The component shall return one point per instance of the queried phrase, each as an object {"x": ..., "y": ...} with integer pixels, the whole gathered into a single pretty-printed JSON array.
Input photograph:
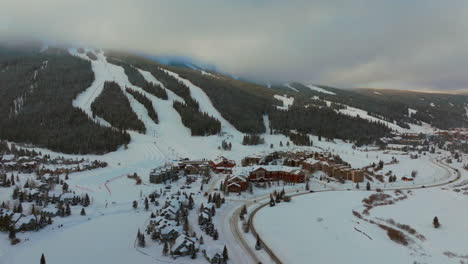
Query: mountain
[{"x": 92, "y": 101}]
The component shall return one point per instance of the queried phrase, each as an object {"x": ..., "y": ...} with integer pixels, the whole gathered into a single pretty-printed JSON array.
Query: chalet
[
  {"x": 276, "y": 173},
  {"x": 162, "y": 174},
  {"x": 250, "y": 160},
  {"x": 214, "y": 254},
  {"x": 26, "y": 223},
  {"x": 49, "y": 211},
  {"x": 222, "y": 165},
  {"x": 169, "y": 213},
  {"x": 236, "y": 183},
  {"x": 184, "y": 245}
]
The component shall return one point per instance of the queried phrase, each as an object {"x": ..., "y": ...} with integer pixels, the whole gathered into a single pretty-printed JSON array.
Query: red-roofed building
[{"x": 222, "y": 165}]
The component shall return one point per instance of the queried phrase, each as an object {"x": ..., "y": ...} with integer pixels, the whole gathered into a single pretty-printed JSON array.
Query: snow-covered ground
[
  {"x": 320, "y": 90},
  {"x": 321, "y": 227},
  {"x": 287, "y": 101}
]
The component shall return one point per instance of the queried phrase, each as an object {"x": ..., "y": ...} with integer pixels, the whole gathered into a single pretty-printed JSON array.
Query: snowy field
[{"x": 321, "y": 227}]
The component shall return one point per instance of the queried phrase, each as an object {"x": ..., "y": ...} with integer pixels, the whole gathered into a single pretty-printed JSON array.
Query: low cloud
[{"x": 384, "y": 44}]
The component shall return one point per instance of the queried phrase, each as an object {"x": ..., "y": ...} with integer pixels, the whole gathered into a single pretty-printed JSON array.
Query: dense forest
[
  {"x": 242, "y": 104},
  {"x": 142, "y": 99},
  {"x": 113, "y": 106},
  {"x": 135, "y": 78},
  {"x": 443, "y": 111},
  {"x": 325, "y": 122},
  {"x": 200, "y": 124},
  {"x": 37, "y": 90}
]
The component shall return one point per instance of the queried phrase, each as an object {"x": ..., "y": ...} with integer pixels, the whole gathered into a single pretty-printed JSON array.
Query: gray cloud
[{"x": 418, "y": 44}]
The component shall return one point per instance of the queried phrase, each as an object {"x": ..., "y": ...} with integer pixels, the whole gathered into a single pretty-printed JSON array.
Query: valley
[{"x": 287, "y": 196}]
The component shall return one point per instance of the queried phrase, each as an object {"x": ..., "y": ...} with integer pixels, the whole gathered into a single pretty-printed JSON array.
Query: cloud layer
[{"x": 418, "y": 44}]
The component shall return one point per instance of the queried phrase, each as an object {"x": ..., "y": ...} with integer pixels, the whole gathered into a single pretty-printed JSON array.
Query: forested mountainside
[
  {"x": 113, "y": 106},
  {"x": 442, "y": 111},
  {"x": 37, "y": 90}
]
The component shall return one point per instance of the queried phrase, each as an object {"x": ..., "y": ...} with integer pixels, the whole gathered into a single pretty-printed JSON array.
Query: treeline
[
  {"x": 200, "y": 124},
  {"x": 242, "y": 104},
  {"x": 37, "y": 90},
  {"x": 300, "y": 139},
  {"x": 174, "y": 85},
  {"x": 155, "y": 90},
  {"x": 113, "y": 106},
  {"x": 135, "y": 78},
  {"x": 252, "y": 139},
  {"x": 325, "y": 122},
  {"x": 145, "y": 102}
]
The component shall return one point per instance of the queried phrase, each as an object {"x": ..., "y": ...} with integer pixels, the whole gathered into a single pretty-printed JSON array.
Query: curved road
[{"x": 235, "y": 217}]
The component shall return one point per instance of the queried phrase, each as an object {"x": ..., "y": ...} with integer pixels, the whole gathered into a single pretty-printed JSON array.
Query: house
[
  {"x": 222, "y": 165},
  {"x": 250, "y": 160},
  {"x": 184, "y": 245},
  {"x": 195, "y": 166},
  {"x": 49, "y": 211},
  {"x": 162, "y": 174},
  {"x": 169, "y": 213},
  {"x": 214, "y": 254},
  {"x": 277, "y": 173},
  {"x": 236, "y": 183},
  {"x": 26, "y": 223}
]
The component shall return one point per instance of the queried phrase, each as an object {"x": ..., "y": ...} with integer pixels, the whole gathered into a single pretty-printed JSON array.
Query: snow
[
  {"x": 432, "y": 104},
  {"x": 377, "y": 93},
  {"x": 290, "y": 87},
  {"x": 411, "y": 111},
  {"x": 355, "y": 112},
  {"x": 287, "y": 101},
  {"x": 320, "y": 90},
  {"x": 310, "y": 230}
]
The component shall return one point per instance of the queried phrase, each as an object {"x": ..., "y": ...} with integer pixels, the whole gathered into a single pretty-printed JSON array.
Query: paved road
[{"x": 235, "y": 217}]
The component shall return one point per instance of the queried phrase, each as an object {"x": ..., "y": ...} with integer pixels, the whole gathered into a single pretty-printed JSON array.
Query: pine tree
[
  {"x": 201, "y": 240},
  {"x": 83, "y": 212},
  {"x": 165, "y": 249},
  {"x": 307, "y": 186},
  {"x": 43, "y": 261},
  {"x": 225, "y": 253},
  {"x": 12, "y": 233},
  {"x": 258, "y": 244},
  {"x": 135, "y": 204},
  {"x": 368, "y": 186},
  {"x": 146, "y": 204},
  {"x": 435, "y": 222}
]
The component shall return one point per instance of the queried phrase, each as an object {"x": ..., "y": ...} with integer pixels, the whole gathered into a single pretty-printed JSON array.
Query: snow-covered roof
[
  {"x": 214, "y": 250},
  {"x": 274, "y": 168},
  {"x": 8, "y": 157}
]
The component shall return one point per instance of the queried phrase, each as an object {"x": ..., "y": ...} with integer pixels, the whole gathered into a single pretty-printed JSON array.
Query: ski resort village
[{"x": 177, "y": 178}]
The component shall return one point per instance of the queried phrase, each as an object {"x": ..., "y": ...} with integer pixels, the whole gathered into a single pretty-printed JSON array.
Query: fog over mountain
[{"x": 418, "y": 45}]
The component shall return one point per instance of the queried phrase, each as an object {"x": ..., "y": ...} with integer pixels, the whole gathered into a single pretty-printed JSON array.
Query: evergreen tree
[
  {"x": 135, "y": 204},
  {"x": 146, "y": 204},
  {"x": 83, "y": 212},
  {"x": 225, "y": 253},
  {"x": 258, "y": 244},
  {"x": 43, "y": 261},
  {"x": 368, "y": 186},
  {"x": 165, "y": 249},
  {"x": 435, "y": 222}
]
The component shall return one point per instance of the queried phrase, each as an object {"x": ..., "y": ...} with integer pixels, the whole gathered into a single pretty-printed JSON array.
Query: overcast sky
[{"x": 405, "y": 44}]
